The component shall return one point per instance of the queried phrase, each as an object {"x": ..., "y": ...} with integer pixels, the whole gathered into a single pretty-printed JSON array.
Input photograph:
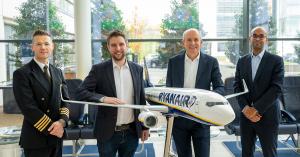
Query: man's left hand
[{"x": 145, "y": 135}]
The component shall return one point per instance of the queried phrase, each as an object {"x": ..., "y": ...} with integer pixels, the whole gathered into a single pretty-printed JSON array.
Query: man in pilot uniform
[{"x": 36, "y": 87}]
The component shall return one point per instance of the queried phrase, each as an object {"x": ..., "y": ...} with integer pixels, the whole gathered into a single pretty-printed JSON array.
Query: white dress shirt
[
  {"x": 255, "y": 61},
  {"x": 41, "y": 65},
  {"x": 124, "y": 89},
  {"x": 190, "y": 71}
]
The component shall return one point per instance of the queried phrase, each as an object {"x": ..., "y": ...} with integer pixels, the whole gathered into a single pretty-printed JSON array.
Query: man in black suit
[
  {"x": 263, "y": 73},
  {"x": 116, "y": 81},
  {"x": 36, "y": 87},
  {"x": 193, "y": 69}
]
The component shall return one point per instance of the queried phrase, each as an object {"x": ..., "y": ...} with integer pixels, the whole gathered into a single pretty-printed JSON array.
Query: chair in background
[
  {"x": 72, "y": 132},
  {"x": 90, "y": 118},
  {"x": 291, "y": 102},
  {"x": 86, "y": 131},
  {"x": 234, "y": 126}
]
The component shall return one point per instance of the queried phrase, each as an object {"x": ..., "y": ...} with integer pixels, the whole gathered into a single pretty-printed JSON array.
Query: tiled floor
[
  {"x": 217, "y": 148},
  {"x": 10, "y": 119}
]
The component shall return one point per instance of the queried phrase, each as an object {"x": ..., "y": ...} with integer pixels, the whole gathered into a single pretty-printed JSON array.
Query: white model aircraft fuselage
[{"x": 196, "y": 104}]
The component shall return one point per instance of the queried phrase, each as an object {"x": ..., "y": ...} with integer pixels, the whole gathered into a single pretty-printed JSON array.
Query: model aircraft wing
[
  {"x": 159, "y": 108},
  {"x": 241, "y": 93}
]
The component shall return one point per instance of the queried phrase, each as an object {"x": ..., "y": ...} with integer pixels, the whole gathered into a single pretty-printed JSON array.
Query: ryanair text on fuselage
[{"x": 177, "y": 99}]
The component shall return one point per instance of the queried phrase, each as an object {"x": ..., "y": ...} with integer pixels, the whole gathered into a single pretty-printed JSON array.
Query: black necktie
[{"x": 47, "y": 74}]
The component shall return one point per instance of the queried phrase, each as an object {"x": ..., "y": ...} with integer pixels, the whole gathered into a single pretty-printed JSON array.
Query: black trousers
[
  {"x": 185, "y": 131},
  {"x": 52, "y": 151},
  {"x": 267, "y": 133}
]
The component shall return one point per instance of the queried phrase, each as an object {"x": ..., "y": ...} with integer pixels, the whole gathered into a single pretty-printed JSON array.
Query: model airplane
[{"x": 200, "y": 105}]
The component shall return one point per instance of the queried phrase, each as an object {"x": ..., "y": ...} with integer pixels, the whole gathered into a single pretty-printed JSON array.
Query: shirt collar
[
  {"x": 40, "y": 64},
  {"x": 115, "y": 65},
  {"x": 188, "y": 59},
  {"x": 260, "y": 55}
]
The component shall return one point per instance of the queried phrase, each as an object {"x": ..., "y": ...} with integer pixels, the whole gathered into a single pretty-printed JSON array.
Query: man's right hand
[
  {"x": 112, "y": 100},
  {"x": 56, "y": 129},
  {"x": 251, "y": 113}
]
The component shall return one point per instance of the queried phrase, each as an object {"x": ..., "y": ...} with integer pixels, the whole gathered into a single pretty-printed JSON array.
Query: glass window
[{"x": 153, "y": 33}]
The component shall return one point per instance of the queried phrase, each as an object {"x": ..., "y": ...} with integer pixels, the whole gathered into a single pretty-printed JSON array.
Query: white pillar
[
  {"x": 2, "y": 47},
  {"x": 83, "y": 47},
  {"x": 2, "y": 53}
]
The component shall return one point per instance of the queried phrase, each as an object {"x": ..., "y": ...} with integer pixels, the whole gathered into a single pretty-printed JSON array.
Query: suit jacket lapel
[
  {"x": 111, "y": 79},
  {"x": 180, "y": 67},
  {"x": 249, "y": 68},
  {"x": 201, "y": 67},
  {"x": 55, "y": 82},
  {"x": 39, "y": 76},
  {"x": 134, "y": 76}
]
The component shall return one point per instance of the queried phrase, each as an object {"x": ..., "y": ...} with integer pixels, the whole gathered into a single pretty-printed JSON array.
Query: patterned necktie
[{"x": 47, "y": 74}]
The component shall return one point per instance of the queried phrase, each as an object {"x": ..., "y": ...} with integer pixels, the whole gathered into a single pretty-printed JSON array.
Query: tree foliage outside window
[
  {"x": 184, "y": 15},
  {"x": 297, "y": 48},
  {"x": 33, "y": 16},
  {"x": 258, "y": 17},
  {"x": 109, "y": 18}
]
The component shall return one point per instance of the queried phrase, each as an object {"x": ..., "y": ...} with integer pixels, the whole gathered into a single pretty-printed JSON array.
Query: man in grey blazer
[
  {"x": 263, "y": 73},
  {"x": 116, "y": 81},
  {"x": 193, "y": 69}
]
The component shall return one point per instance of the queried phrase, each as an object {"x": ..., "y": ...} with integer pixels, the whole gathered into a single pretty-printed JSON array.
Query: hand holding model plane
[{"x": 112, "y": 100}]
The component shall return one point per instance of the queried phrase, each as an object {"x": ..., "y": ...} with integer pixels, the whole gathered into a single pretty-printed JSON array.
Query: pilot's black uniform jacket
[{"x": 40, "y": 103}]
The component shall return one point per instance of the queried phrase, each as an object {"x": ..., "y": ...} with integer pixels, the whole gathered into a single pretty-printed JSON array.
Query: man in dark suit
[
  {"x": 36, "y": 87},
  {"x": 263, "y": 73},
  {"x": 116, "y": 81},
  {"x": 193, "y": 69}
]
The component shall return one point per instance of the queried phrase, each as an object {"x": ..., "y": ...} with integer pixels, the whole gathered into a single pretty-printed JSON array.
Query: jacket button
[
  {"x": 42, "y": 99},
  {"x": 48, "y": 111}
]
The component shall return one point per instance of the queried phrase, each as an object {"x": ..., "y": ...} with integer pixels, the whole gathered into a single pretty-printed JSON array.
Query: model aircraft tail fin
[
  {"x": 241, "y": 93},
  {"x": 147, "y": 77}
]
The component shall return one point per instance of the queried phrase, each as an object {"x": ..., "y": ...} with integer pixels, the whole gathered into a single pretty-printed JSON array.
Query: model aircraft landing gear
[{"x": 170, "y": 121}]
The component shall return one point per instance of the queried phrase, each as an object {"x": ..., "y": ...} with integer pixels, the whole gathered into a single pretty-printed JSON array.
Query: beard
[
  {"x": 258, "y": 46},
  {"x": 118, "y": 57}
]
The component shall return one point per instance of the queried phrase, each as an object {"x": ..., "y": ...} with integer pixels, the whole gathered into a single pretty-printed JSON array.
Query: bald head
[
  {"x": 258, "y": 28},
  {"x": 190, "y": 30}
]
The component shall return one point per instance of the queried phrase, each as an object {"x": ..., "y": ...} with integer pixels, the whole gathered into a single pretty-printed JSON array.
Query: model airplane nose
[{"x": 228, "y": 115}]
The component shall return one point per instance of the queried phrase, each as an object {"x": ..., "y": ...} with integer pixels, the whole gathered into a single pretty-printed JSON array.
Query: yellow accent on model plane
[{"x": 189, "y": 113}]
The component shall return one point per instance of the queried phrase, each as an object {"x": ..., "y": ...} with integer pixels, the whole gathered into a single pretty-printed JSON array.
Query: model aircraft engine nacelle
[{"x": 149, "y": 119}]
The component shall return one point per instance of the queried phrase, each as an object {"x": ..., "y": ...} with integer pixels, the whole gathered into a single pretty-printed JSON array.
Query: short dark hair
[
  {"x": 116, "y": 33},
  {"x": 41, "y": 32}
]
